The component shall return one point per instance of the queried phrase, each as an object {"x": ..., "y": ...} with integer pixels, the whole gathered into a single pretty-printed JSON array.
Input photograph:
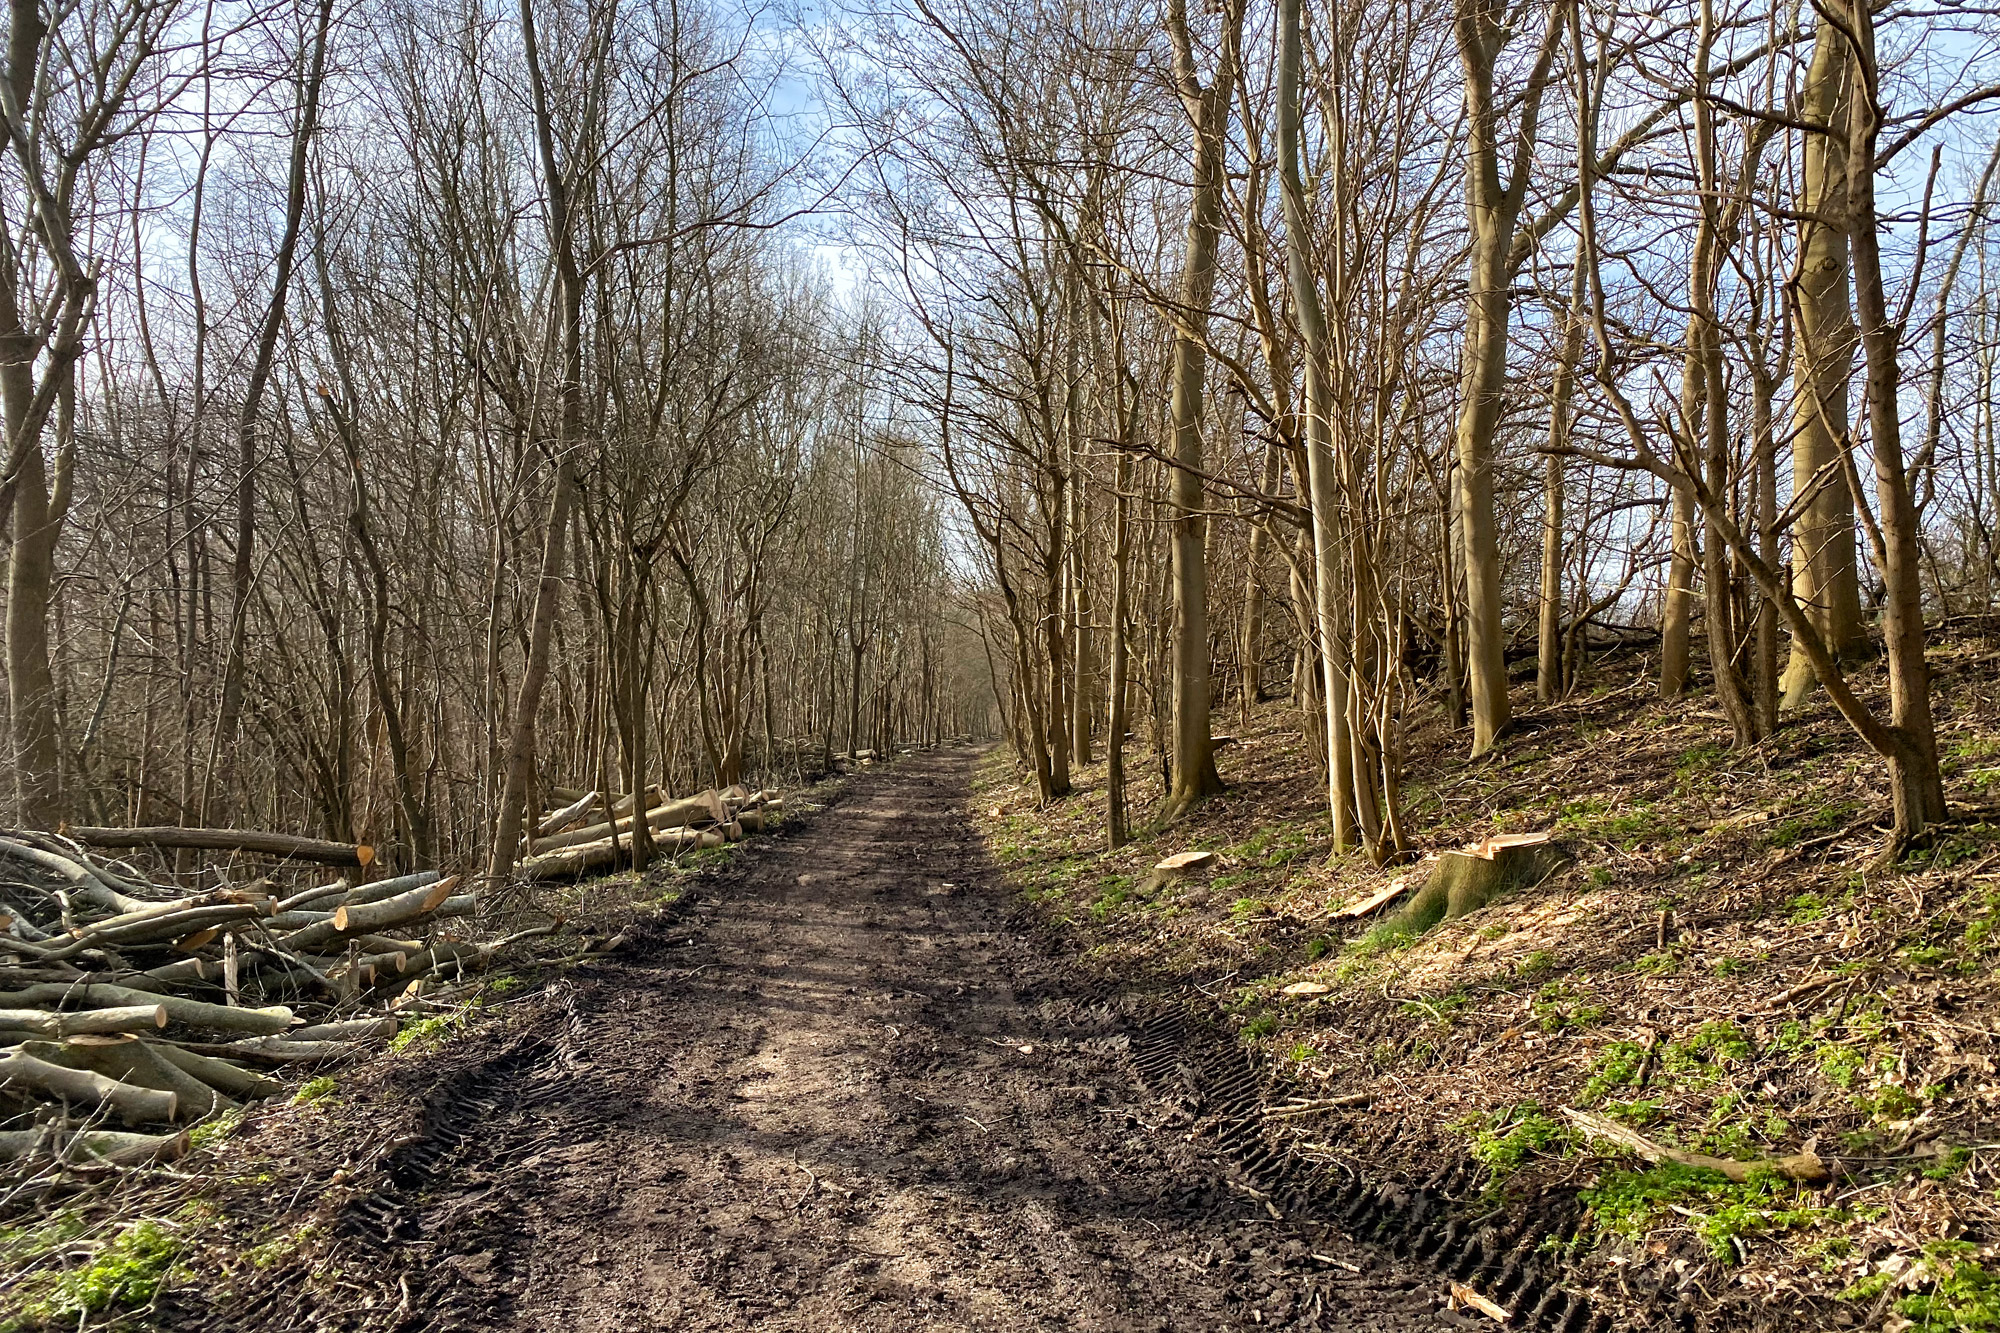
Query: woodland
[
  {"x": 411, "y": 411},
  {"x": 435, "y": 427}
]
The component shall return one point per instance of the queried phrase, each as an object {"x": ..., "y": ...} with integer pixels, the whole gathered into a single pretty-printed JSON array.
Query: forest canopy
[{"x": 413, "y": 409}]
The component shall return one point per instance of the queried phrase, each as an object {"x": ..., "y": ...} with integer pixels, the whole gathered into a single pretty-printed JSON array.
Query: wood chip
[
  {"x": 1181, "y": 861},
  {"x": 1465, "y": 1295},
  {"x": 1376, "y": 899},
  {"x": 1306, "y": 988}
]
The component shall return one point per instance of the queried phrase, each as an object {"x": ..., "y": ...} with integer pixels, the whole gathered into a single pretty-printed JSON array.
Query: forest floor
[
  {"x": 1716, "y": 968},
  {"x": 843, "y": 1082},
  {"x": 929, "y": 1057}
]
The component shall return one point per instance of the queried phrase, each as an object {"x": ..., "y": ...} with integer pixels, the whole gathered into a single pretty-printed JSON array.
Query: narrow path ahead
[{"x": 844, "y": 1094}]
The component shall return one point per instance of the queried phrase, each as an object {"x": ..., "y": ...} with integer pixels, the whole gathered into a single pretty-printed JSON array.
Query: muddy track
[{"x": 844, "y": 1089}]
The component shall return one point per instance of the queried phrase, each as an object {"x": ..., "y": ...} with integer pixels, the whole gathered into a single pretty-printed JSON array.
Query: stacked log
[
  {"x": 127, "y": 1003},
  {"x": 130, "y": 1010},
  {"x": 707, "y": 819}
]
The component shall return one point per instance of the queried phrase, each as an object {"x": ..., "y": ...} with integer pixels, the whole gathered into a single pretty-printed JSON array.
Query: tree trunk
[
  {"x": 242, "y": 570},
  {"x": 1116, "y": 830},
  {"x": 1824, "y": 575},
  {"x": 1252, "y": 651},
  {"x": 1327, "y": 540},
  {"x": 1194, "y": 775},
  {"x": 1913, "y": 763},
  {"x": 1550, "y": 683},
  {"x": 31, "y": 687},
  {"x": 1492, "y": 210}
]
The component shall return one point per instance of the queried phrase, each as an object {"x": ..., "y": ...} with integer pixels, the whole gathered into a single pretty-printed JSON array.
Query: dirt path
[{"x": 842, "y": 1093}]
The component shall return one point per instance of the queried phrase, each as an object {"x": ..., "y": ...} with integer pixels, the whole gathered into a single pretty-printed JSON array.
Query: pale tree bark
[
  {"x": 1705, "y": 411},
  {"x": 220, "y": 767},
  {"x": 1551, "y": 682},
  {"x": 1677, "y": 608},
  {"x": 1907, "y": 741},
  {"x": 1493, "y": 210},
  {"x": 1824, "y": 557},
  {"x": 1328, "y": 542},
  {"x": 1251, "y": 691},
  {"x": 1917, "y": 788},
  {"x": 518, "y": 764},
  {"x": 48, "y": 300},
  {"x": 1207, "y": 110},
  {"x": 1117, "y": 829}
]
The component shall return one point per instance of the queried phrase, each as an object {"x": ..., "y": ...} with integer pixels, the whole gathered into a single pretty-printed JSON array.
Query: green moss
[
  {"x": 1702, "y": 1055},
  {"x": 1536, "y": 964},
  {"x": 1617, "y": 1066},
  {"x": 1823, "y": 818},
  {"x": 281, "y": 1246},
  {"x": 1842, "y": 1065},
  {"x": 1627, "y": 824},
  {"x": 1261, "y": 1026},
  {"x": 1557, "y": 1006},
  {"x": 216, "y": 1129},
  {"x": 428, "y": 1032},
  {"x": 1113, "y": 892},
  {"x": 1438, "y": 1009},
  {"x": 315, "y": 1089},
  {"x": 1957, "y": 1295}
]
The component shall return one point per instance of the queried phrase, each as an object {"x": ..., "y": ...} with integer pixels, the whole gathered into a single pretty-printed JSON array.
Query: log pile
[
  {"x": 568, "y": 846},
  {"x": 130, "y": 1010}
]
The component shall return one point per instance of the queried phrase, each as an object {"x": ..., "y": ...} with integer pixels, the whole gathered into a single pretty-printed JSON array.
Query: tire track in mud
[{"x": 842, "y": 1090}]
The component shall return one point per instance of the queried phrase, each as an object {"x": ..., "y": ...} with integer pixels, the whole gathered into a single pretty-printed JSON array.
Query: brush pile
[
  {"x": 131, "y": 1010},
  {"x": 127, "y": 1005}
]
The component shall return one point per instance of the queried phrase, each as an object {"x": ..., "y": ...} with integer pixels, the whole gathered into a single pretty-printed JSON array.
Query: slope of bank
[{"x": 1712, "y": 970}]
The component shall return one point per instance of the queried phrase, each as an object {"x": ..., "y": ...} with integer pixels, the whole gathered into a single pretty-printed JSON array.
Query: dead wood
[
  {"x": 49, "y": 1023},
  {"x": 353, "y": 1029},
  {"x": 558, "y": 820},
  {"x": 287, "y": 846},
  {"x": 108, "y": 1147},
  {"x": 1802, "y": 1166},
  {"x": 196, "y": 1013},
  {"x": 128, "y": 1103},
  {"x": 1464, "y": 881},
  {"x": 362, "y": 918},
  {"x": 132, "y": 1061},
  {"x": 240, "y": 1083}
]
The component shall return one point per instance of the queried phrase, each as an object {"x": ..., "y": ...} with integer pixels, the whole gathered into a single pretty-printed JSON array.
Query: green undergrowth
[
  {"x": 1947, "y": 1291},
  {"x": 56, "y": 1276},
  {"x": 1722, "y": 1212}
]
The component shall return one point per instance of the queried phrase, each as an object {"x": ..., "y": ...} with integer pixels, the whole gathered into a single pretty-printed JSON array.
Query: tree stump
[
  {"x": 1175, "y": 867},
  {"x": 1466, "y": 880}
]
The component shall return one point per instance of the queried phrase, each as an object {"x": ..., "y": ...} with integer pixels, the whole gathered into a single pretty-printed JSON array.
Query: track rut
[{"x": 845, "y": 1089}]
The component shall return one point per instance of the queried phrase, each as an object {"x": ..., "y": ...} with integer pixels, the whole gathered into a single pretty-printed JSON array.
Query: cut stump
[{"x": 1466, "y": 880}]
